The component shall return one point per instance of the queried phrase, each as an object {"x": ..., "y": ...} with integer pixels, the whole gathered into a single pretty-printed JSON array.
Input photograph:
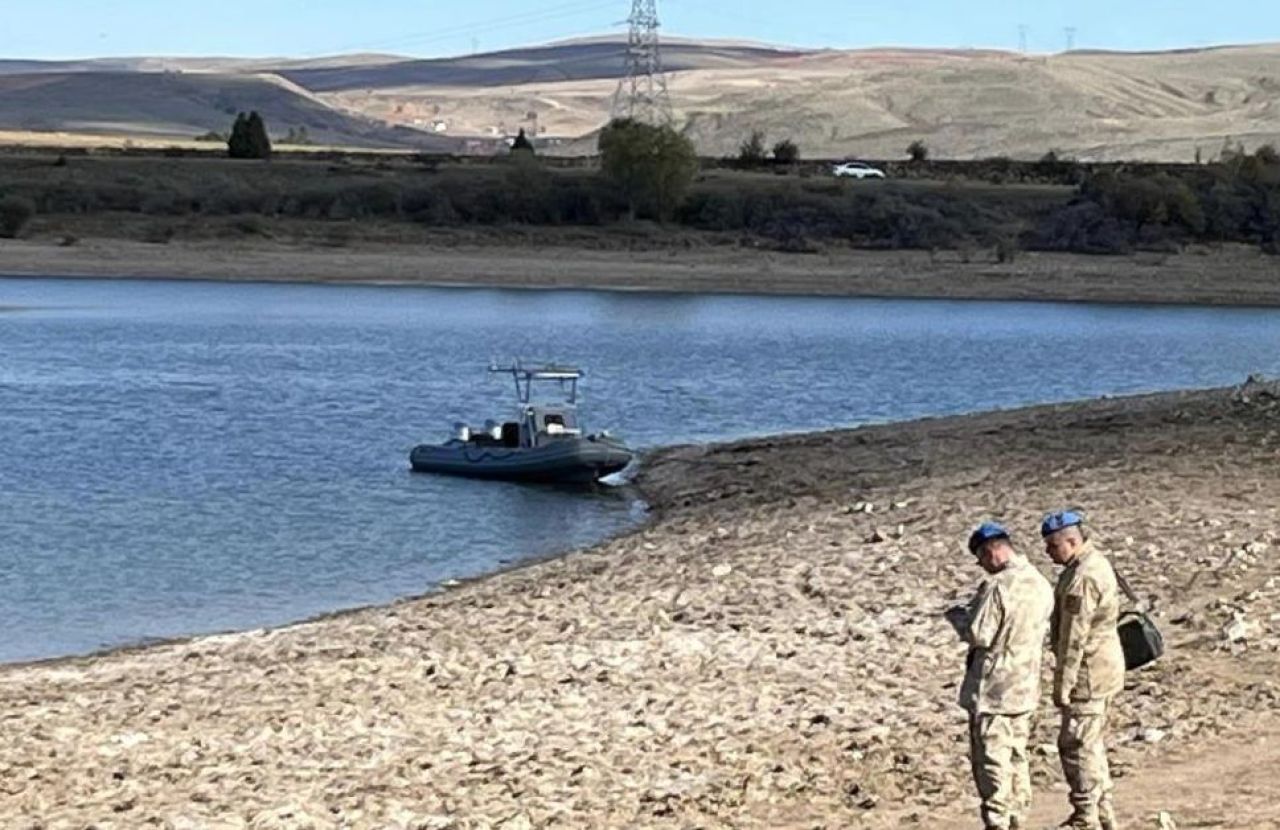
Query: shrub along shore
[{"x": 995, "y": 205}]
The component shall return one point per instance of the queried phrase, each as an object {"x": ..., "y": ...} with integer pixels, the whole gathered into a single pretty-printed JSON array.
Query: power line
[
  {"x": 522, "y": 19},
  {"x": 715, "y": 9},
  {"x": 1070, "y": 32},
  {"x": 1023, "y": 29}
]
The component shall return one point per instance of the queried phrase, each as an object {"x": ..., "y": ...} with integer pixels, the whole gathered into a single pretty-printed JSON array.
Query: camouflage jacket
[
  {"x": 1090, "y": 662},
  {"x": 1008, "y": 620}
]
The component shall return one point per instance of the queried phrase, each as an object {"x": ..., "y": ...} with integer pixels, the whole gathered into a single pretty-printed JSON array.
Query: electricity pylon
[{"x": 642, "y": 92}]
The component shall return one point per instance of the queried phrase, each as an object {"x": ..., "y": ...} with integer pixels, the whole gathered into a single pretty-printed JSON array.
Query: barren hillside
[
  {"x": 160, "y": 63},
  {"x": 1162, "y": 106},
  {"x": 182, "y": 105},
  {"x": 964, "y": 104}
]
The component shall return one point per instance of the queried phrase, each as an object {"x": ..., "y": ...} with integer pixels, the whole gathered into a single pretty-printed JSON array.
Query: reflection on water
[{"x": 187, "y": 457}]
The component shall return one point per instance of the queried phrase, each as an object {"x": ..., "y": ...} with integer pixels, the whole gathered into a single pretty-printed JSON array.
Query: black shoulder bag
[{"x": 1141, "y": 641}]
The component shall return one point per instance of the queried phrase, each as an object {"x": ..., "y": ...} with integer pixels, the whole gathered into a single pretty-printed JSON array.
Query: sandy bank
[
  {"x": 1229, "y": 276},
  {"x": 767, "y": 654}
]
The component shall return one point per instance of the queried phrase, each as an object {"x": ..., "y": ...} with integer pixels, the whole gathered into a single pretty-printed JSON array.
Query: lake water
[{"x": 194, "y": 457}]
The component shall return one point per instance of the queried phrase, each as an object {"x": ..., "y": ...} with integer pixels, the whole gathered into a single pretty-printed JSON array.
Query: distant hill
[
  {"x": 184, "y": 105},
  {"x": 577, "y": 60},
  {"x": 1160, "y": 106},
  {"x": 185, "y": 64}
]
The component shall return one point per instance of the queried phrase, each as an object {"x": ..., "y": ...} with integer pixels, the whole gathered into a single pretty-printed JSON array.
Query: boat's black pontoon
[{"x": 544, "y": 442}]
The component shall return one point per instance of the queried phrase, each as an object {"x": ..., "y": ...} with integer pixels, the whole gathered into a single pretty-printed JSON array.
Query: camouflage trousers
[
  {"x": 998, "y": 754},
  {"x": 1082, "y": 747}
]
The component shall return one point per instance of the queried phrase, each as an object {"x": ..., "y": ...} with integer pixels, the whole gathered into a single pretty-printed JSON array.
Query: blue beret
[
  {"x": 1057, "y": 521},
  {"x": 985, "y": 533}
]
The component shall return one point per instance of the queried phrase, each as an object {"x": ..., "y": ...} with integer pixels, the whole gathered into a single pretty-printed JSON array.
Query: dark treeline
[
  {"x": 1050, "y": 169},
  {"x": 1111, "y": 209},
  {"x": 1234, "y": 200}
]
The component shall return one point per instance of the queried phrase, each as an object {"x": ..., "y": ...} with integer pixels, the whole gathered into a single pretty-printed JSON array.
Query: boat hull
[{"x": 580, "y": 460}]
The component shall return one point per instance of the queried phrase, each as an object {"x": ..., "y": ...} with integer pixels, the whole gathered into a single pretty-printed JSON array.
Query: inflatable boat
[{"x": 543, "y": 442}]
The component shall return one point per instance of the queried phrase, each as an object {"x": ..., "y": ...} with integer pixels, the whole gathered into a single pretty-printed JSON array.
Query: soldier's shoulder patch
[{"x": 1074, "y": 602}]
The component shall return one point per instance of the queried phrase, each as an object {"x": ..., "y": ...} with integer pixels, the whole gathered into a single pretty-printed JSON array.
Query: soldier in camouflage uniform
[
  {"x": 1090, "y": 665},
  {"x": 1005, "y": 627}
]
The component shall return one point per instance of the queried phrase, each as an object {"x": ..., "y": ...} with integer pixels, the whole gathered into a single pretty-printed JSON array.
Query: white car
[{"x": 857, "y": 170}]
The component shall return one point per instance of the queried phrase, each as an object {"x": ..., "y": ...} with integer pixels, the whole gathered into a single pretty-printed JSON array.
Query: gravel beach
[
  {"x": 767, "y": 652},
  {"x": 1228, "y": 275}
]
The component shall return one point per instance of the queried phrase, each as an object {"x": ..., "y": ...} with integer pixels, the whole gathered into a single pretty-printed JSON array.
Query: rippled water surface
[{"x": 192, "y": 457}]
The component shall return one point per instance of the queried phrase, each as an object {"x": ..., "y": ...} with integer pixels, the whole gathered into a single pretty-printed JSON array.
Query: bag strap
[{"x": 1126, "y": 588}]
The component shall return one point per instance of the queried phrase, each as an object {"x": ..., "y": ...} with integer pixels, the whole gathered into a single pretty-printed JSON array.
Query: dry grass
[
  {"x": 963, "y": 104},
  {"x": 126, "y": 141}
]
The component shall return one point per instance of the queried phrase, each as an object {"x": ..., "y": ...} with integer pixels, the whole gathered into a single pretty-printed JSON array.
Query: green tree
[
  {"x": 297, "y": 136},
  {"x": 521, "y": 144},
  {"x": 918, "y": 150},
  {"x": 651, "y": 166},
  {"x": 249, "y": 138},
  {"x": 1160, "y": 200},
  {"x": 786, "y": 151},
  {"x": 751, "y": 151},
  {"x": 238, "y": 141},
  {"x": 259, "y": 141},
  {"x": 529, "y": 195}
]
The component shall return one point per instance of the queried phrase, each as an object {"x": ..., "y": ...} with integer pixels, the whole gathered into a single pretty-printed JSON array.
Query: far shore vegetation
[{"x": 768, "y": 196}]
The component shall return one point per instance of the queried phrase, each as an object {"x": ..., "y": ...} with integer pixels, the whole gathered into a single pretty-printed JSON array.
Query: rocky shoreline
[
  {"x": 767, "y": 653},
  {"x": 1228, "y": 276}
]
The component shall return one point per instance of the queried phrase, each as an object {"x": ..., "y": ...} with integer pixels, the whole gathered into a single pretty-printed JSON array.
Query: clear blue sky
[{"x": 91, "y": 28}]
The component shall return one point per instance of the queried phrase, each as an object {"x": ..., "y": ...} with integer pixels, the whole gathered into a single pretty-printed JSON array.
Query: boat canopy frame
[{"x": 525, "y": 376}]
